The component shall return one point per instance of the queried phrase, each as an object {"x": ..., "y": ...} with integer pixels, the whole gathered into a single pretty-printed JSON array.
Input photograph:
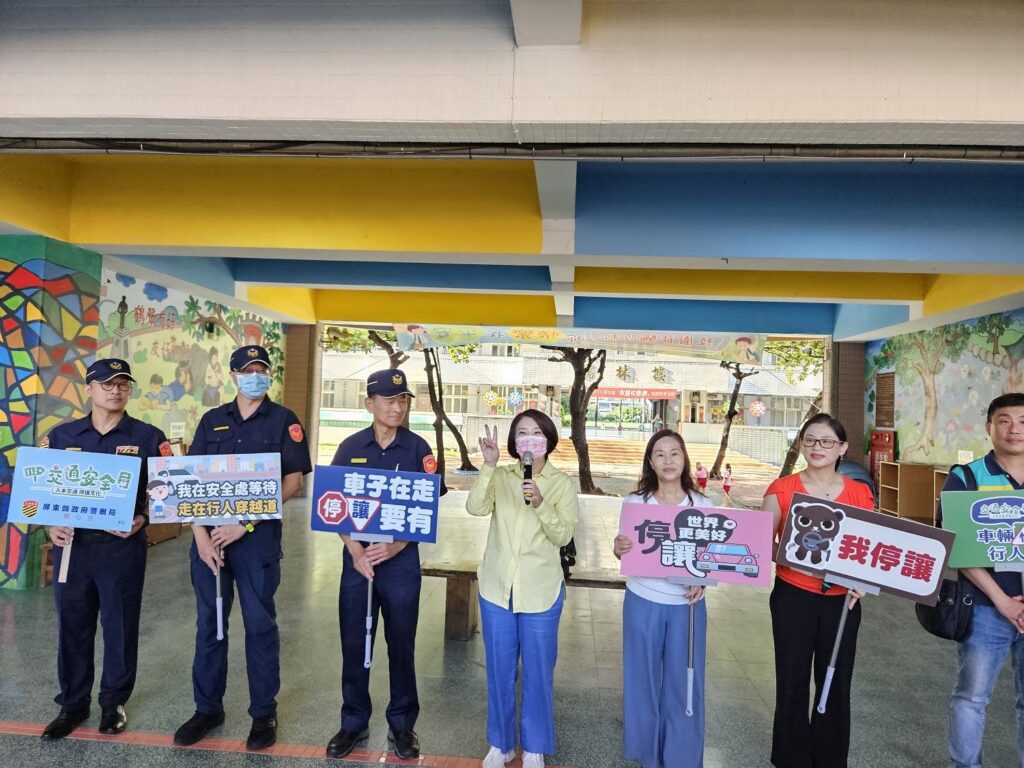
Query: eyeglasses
[
  {"x": 122, "y": 386},
  {"x": 824, "y": 442}
]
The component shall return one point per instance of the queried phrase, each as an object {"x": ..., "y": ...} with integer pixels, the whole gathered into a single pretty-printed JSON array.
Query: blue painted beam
[
  {"x": 856, "y": 319},
  {"x": 690, "y": 315},
  {"x": 861, "y": 211},
  {"x": 212, "y": 273},
  {"x": 330, "y": 274}
]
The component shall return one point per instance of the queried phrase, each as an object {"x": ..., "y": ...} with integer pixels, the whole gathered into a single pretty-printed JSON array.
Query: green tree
[
  {"x": 923, "y": 355},
  {"x": 582, "y": 362},
  {"x": 992, "y": 327},
  {"x": 435, "y": 388},
  {"x": 338, "y": 338},
  {"x": 739, "y": 375},
  {"x": 799, "y": 359}
]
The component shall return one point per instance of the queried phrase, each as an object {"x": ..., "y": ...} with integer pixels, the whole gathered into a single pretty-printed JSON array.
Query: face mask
[
  {"x": 535, "y": 444},
  {"x": 253, "y": 385}
]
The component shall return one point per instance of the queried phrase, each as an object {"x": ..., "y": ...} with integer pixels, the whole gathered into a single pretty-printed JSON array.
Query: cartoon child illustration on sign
[{"x": 158, "y": 491}]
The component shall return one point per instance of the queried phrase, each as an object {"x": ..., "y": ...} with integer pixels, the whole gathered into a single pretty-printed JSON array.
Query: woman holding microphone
[
  {"x": 656, "y": 616},
  {"x": 533, "y": 509}
]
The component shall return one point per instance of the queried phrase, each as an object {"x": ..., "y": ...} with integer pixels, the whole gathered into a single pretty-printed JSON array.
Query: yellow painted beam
[
  {"x": 839, "y": 286},
  {"x": 295, "y": 302},
  {"x": 947, "y": 292},
  {"x": 455, "y": 308},
  {"x": 246, "y": 202},
  {"x": 35, "y": 194}
]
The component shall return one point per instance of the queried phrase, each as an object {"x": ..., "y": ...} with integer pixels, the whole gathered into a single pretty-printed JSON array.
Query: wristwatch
[{"x": 249, "y": 526}]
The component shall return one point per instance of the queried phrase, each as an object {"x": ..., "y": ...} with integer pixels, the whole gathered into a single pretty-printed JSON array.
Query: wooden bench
[{"x": 461, "y": 611}]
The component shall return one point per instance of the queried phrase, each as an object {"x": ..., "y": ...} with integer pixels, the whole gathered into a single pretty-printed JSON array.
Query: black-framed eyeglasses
[
  {"x": 122, "y": 386},
  {"x": 824, "y": 442}
]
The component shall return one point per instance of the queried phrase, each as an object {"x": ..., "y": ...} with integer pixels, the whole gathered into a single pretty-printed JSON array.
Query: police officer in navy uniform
[
  {"x": 248, "y": 555},
  {"x": 395, "y": 571},
  {"x": 107, "y": 568}
]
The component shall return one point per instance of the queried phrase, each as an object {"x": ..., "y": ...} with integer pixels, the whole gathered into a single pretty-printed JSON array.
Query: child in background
[
  {"x": 727, "y": 479},
  {"x": 702, "y": 477}
]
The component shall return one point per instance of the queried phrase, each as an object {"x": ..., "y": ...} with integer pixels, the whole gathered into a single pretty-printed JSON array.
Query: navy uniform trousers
[
  {"x": 253, "y": 565},
  {"x": 105, "y": 579},
  {"x": 396, "y": 595}
]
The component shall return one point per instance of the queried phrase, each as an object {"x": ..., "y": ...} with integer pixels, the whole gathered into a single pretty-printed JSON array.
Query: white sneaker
[
  {"x": 533, "y": 760},
  {"x": 496, "y": 758}
]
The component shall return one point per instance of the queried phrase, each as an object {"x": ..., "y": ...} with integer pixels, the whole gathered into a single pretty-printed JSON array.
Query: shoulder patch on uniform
[
  {"x": 429, "y": 465},
  {"x": 221, "y": 428},
  {"x": 165, "y": 449},
  {"x": 73, "y": 448},
  {"x": 45, "y": 442},
  {"x": 359, "y": 460},
  {"x": 295, "y": 430},
  {"x": 128, "y": 450}
]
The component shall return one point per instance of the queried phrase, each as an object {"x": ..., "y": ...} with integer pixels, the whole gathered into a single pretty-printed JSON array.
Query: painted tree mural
[{"x": 923, "y": 355}]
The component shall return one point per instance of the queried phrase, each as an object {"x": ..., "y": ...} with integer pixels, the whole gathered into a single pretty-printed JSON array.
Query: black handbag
[{"x": 950, "y": 617}]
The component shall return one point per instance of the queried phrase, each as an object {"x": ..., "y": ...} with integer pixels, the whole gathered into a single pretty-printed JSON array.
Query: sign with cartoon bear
[
  {"x": 834, "y": 540},
  {"x": 729, "y": 546}
]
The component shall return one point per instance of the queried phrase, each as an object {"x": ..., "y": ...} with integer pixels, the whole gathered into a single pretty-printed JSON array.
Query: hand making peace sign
[{"x": 489, "y": 445}]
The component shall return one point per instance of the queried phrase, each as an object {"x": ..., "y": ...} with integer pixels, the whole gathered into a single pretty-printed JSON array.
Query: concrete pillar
[{"x": 302, "y": 379}]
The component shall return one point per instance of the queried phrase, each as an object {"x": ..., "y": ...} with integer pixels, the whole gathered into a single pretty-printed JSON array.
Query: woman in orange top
[{"x": 805, "y": 615}]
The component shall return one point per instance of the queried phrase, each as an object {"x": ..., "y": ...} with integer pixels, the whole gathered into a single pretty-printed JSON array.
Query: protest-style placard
[
  {"x": 897, "y": 556},
  {"x": 989, "y": 528},
  {"x": 732, "y": 546},
  {"x": 376, "y": 502},
  {"x": 214, "y": 490},
  {"x": 77, "y": 489}
]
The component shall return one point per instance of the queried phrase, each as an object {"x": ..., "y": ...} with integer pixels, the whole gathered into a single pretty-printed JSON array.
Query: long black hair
[
  {"x": 830, "y": 421},
  {"x": 647, "y": 483}
]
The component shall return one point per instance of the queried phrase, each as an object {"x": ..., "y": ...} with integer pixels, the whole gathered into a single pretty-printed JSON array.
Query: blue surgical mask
[{"x": 253, "y": 385}]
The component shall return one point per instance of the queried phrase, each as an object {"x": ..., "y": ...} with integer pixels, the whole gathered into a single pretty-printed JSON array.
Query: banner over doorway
[{"x": 743, "y": 348}]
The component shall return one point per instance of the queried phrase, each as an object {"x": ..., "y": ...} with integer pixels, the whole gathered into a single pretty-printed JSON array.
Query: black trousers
[{"x": 804, "y": 626}]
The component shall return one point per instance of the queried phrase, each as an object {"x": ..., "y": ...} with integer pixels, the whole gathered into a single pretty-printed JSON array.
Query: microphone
[{"x": 527, "y": 459}]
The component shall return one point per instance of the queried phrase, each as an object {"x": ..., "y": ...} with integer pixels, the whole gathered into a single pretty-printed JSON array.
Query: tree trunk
[
  {"x": 395, "y": 357},
  {"x": 931, "y": 408},
  {"x": 582, "y": 360},
  {"x": 794, "y": 447},
  {"x": 435, "y": 385},
  {"x": 730, "y": 414}
]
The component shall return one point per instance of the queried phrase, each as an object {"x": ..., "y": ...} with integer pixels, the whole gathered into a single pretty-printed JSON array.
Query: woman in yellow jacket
[{"x": 521, "y": 585}]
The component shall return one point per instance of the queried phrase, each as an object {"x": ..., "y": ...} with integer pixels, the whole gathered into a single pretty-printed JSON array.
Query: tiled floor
[{"x": 902, "y": 681}]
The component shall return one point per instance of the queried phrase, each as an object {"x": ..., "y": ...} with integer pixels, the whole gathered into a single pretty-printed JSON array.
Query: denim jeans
[{"x": 981, "y": 656}]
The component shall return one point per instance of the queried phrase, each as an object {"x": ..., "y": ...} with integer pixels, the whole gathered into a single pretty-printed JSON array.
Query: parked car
[
  {"x": 178, "y": 477},
  {"x": 728, "y": 557}
]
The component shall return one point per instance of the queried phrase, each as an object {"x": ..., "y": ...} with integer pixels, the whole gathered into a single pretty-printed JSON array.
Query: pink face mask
[{"x": 535, "y": 444}]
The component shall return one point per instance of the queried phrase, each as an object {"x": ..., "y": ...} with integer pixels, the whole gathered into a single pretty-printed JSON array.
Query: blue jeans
[
  {"x": 656, "y": 729},
  {"x": 532, "y": 637},
  {"x": 981, "y": 656}
]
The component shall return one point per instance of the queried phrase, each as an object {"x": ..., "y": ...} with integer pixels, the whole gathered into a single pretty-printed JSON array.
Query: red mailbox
[{"x": 882, "y": 448}]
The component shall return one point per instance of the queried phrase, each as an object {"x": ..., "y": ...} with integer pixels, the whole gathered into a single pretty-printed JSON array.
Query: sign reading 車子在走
[{"x": 376, "y": 502}]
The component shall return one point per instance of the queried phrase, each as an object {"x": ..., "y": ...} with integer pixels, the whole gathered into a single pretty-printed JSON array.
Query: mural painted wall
[
  {"x": 48, "y": 333},
  {"x": 179, "y": 345},
  {"x": 945, "y": 379}
]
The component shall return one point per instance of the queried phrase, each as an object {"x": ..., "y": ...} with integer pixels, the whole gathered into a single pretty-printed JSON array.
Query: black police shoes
[
  {"x": 405, "y": 743},
  {"x": 263, "y": 733},
  {"x": 113, "y": 720},
  {"x": 345, "y": 741},
  {"x": 65, "y": 722},
  {"x": 196, "y": 727}
]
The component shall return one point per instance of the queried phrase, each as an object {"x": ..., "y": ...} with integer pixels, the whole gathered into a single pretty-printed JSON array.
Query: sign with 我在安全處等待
[
  {"x": 732, "y": 546},
  {"x": 77, "y": 489},
  {"x": 216, "y": 489},
  {"x": 989, "y": 527},
  {"x": 897, "y": 556},
  {"x": 376, "y": 503}
]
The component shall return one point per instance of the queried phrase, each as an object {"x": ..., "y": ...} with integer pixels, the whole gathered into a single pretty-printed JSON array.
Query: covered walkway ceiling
[{"x": 853, "y": 249}]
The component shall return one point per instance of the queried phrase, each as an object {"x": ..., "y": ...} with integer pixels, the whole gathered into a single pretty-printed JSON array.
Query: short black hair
[
  {"x": 1009, "y": 400},
  {"x": 157, "y": 379},
  {"x": 156, "y": 484},
  {"x": 547, "y": 427}
]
